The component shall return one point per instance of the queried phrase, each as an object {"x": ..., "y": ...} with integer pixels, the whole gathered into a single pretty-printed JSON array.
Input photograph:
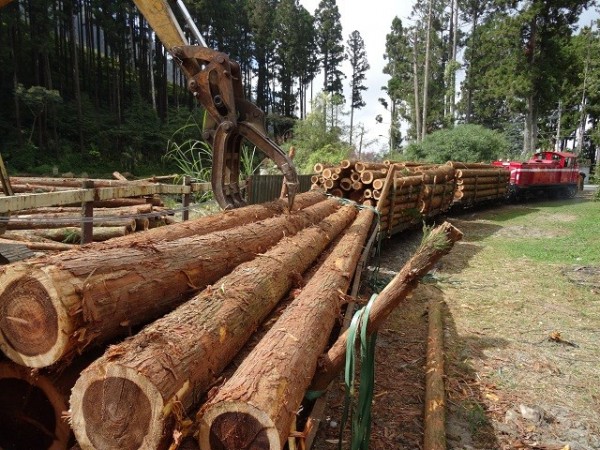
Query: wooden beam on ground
[{"x": 435, "y": 394}]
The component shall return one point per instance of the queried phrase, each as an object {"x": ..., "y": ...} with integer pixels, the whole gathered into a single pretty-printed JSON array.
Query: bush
[{"x": 466, "y": 143}]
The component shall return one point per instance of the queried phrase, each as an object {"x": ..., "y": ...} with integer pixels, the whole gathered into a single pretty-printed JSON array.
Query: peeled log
[
  {"x": 255, "y": 408},
  {"x": 469, "y": 173},
  {"x": 131, "y": 397},
  {"x": 39, "y": 222},
  {"x": 438, "y": 243},
  {"x": 72, "y": 234},
  {"x": 57, "y": 305}
]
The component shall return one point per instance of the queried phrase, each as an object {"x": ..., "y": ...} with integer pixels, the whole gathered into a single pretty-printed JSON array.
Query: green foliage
[
  {"x": 37, "y": 99},
  {"x": 466, "y": 143},
  {"x": 329, "y": 41},
  {"x": 520, "y": 64},
  {"x": 315, "y": 141},
  {"x": 250, "y": 161},
  {"x": 357, "y": 55},
  {"x": 192, "y": 156}
]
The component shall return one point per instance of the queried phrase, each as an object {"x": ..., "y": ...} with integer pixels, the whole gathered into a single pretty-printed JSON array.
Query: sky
[{"x": 373, "y": 19}]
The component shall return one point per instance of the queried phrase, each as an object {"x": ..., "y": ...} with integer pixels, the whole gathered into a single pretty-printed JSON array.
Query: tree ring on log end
[
  {"x": 113, "y": 406},
  {"x": 234, "y": 425},
  {"x": 31, "y": 404},
  {"x": 31, "y": 315}
]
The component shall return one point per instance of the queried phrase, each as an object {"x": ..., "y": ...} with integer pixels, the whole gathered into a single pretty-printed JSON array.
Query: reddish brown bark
[
  {"x": 255, "y": 408},
  {"x": 133, "y": 395},
  {"x": 54, "y": 306},
  {"x": 437, "y": 244}
]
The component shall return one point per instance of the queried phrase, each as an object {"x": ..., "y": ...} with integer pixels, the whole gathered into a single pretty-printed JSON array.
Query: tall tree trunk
[
  {"x": 454, "y": 62},
  {"x": 531, "y": 127},
  {"x": 416, "y": 109},
  {"x": 426, "y": 72},
  {"x": 583, "y": 115},
  {"x": 470, "y": 74},
  {"x": 531, "y": 115},
  {"x": 15, "y": 52},
  {"x": 76, "y": 87}
]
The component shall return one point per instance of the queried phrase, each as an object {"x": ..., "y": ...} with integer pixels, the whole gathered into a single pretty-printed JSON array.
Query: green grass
[{"x": 573, "y": 238}]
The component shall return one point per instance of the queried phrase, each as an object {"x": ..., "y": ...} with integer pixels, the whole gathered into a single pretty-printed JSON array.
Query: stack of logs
[
  {"x": 207, "y": 284},
  {"x": 415, "y": 190},
  {"x": 479, "y": 182},
  {"x": 39, "y": 227},
  {"x": 201, "y": 288}
]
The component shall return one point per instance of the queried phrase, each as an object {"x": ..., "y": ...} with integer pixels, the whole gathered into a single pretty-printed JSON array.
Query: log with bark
[
  {"x": 255, "y": 408},
  {"x": 53, "y": 307},
  {"x": 222, "y": 221},
  {"x": 133, "y": 396},
  {"x": 435, "y": 245},
  {"x": 435, "y": 394}
]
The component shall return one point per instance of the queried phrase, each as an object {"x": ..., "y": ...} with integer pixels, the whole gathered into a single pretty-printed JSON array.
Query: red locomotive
[{"x": 547, "y": 171}]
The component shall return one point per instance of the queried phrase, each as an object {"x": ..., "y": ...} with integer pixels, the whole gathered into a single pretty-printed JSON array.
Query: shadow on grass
[
  {"x": 493, "y": 211},
  {"x": 468, "y": 420}
]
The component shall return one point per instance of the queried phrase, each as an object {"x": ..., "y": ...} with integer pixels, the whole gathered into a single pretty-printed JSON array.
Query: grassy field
[
  {"x": 523, "y": 292},
  {"x": 557, "y": 232}
]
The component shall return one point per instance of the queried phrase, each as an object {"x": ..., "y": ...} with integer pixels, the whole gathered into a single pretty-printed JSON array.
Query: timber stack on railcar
[{"x": 416, "y": 190}]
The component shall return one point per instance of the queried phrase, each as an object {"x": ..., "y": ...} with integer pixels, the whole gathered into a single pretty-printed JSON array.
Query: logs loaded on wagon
[{"x": 414, "y": 191}]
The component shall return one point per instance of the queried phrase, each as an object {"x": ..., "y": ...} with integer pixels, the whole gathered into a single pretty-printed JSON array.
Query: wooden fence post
[
  {"x": 87, "y": 215},
  {"x": 186, "y": 199}
]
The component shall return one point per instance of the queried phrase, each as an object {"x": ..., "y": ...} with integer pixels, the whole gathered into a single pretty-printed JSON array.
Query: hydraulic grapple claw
[{"x": 215, "y": 81}]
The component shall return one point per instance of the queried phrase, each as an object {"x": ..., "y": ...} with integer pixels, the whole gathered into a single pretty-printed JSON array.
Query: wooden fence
[{"x": 264, "y": 188}]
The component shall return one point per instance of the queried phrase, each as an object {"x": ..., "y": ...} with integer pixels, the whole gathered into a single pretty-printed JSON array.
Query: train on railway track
[
  {"x": 406, "y": 193},
  {"x": 554, "y": 173}
]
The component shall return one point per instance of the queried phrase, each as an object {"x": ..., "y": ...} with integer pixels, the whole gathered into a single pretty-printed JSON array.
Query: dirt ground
[{"x": 522, "y": 360}]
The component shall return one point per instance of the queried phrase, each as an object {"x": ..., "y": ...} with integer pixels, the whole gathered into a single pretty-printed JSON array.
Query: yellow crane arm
[{"x": 160, "y": 16}]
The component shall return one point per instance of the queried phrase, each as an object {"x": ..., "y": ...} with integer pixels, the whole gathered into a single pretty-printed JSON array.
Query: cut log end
[
  {"x": 30, "y": 312},
  {"x": 30, "y": 410},
  {"x": 116, "y": 409},
  {"x": 235, "y": 425}
]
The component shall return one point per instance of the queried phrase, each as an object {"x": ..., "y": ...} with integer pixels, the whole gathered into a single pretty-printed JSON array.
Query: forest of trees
[
  {"x": 530, "y": 72},
  {"x": 85, "y": 84}
]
